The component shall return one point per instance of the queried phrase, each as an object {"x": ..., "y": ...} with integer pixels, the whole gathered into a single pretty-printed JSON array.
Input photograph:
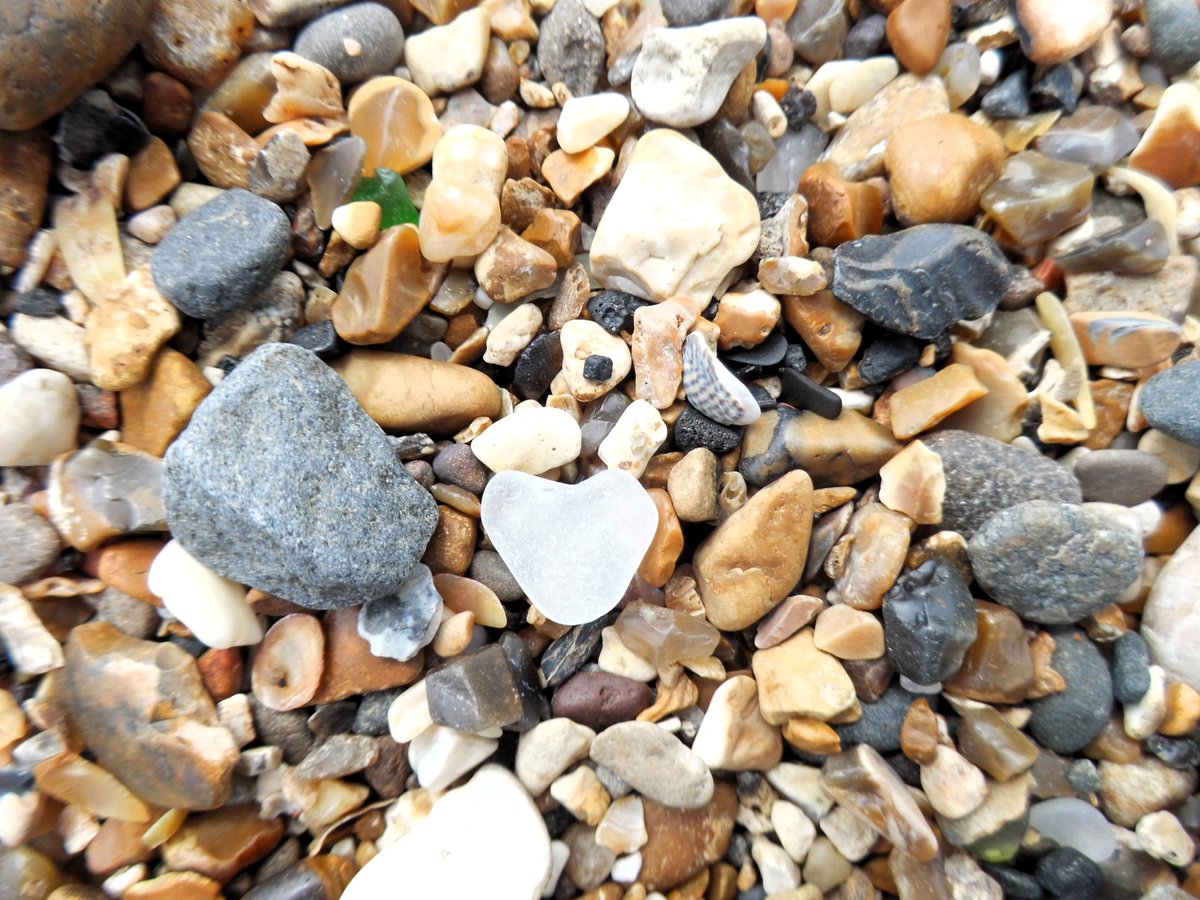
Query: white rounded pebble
[
  {"x": 468, "y": 154},
  {"x": 549, "y": 749},
  {"x": 776, "y": 869},
  {"x": 484, "y": 839},
  {"x": 409, "y": 715},
  {"x": 585, "y": 120},
  {"x": 532, "y": 440},
  {"x": 1163, "y": 836},
  {"x": 954, "y": 786},
  {"x": 626, "y": 869},
  {"x": 56, "y": 341},
  {"x": 1143, "y": 718},
  {"x": 582, "y": 338},
  {"x": 794, "y": 829},
  {"x": 1072, "y": 822},
  {"x": 512, "y": 335},
  {"x": 39, "y": 418},
  {"x": 853, "y": 88},
  {"x": 617, "y": 659},
  {"x": 213, "y": 608},
  {"x": 636, "y": 437},
  {"x": 440, "y": 756},
  {"x": 559, "y": 854}
]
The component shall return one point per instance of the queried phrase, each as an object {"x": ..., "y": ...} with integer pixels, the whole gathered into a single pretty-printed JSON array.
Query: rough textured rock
[
  {"x": 146, "y": 715},
  {"x": 984, "y": 476},
  {"x": 921, "y": 280},
  {"x": 221, "y": 256},
  {"x": 1171, "y": 402},
  {"x": 1095, "y": 559},
  {"x": 1068, "y": 721},
  {"x": 571, "y": 47},
  {"x": 51, "y": 51},
  {"x": 281, "y": 482}
]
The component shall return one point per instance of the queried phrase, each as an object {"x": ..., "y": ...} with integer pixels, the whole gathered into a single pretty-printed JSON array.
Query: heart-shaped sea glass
[{"x": 573, "y": 548}]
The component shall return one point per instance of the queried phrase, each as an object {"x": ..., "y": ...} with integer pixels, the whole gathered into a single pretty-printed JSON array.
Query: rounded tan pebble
[
  {"x": 849, "y": 633},
  {"x": 692, "y": 485},
  {"x": 746, "y": 318},
  {"x": 396, "y": 119},
  {"x": 468, "y": 154},
  {"x": 919, "y": 733},
  {"x": 446, "y": 58},
  {"x": 917, "y": 31},
  {"x": 289, "y": 663},
  {"x": 125, "y": 566},
  {"x": 796, "y": 679},
  {"x": 940, "y": 166},
  {"x": 358, "y": 223},
  {"x": 667, "y": 544},
  {"x": 1058, "y": 31},
  {"x": 412, "y": 394},
  {"x": 453, "y": 543},
  {"x": 811, "y": 735},
  {"x": 457, "y": 220},
  {"x": 512, "y": 334},
  {"x": 510, "y": 268}
]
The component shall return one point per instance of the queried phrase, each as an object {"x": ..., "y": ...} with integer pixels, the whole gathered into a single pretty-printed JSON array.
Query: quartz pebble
[
  {"x": 580, "y": 593},
  {"x": 41, "y": 415},
  {"x": 634, "y": 439},
  {"x": 213, "y": 608},
  {"x": 448, "y": 57},
  {"x": 549, "y": 749},
  {"x": 586, "y": 120},
  {"x": 531, "y": 441},
  {"x": 486, "y": 836}
]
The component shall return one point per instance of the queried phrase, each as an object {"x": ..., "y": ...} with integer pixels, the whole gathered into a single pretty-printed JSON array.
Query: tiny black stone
[
  {"x": 228, "y": 363},
  {"x": 798, "y": 106},
  {"x": 929, "y": 622},
  {"x": 887, "y": 357},
  {"x": 320, "y": 338},
  {"x": 794, "y": 358},
  {"x": 40, "y": 303},
  {"x": 1131, "y": 667},
  {"x": 613, "y": 310},
  {"x": 1178, "y": 753},
  {"x": 769, "y": 352},
  {"x": 722, "y": 139},
  {"x": 568, "y": 654},
  {"x": 1066, "y": 871},
  {"x": 1017, "y": 885},
  {"x": 804, "y": 393},
  {"x": 694, "y": 429},
  {"x": 597, "y": 367},
  {"x": 537, "y": 365},
  {"x": 1010, "y": 98},
  {"x": 762, "y": 397}
]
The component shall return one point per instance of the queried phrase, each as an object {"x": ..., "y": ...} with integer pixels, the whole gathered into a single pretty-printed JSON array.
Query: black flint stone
[
  {"x": 597, "y": 367},
  {"x": 794, "y": 358},
  {"x": 722, "y": 139},
  {"x": 762, "y": 397},
  {"x": 1178, "y": 753},
  {"x": 887, "y": 357},
  {"x": 39, "y": 302},
  {"x": 613, "y": 310},
  {"x": 1067, "y": 872},
  {"x": 929, "y": 622},
  {"x": 569, "y": 653},
  {"x": 319, "y": 337},
  {"x": 537, "y": 365},
  {"x": 1056, "y": 90},
  {"x": 804, "y": 393},
  {"x": 95, "y": 125},
  {"x": 769, "y": 352},
  {"x": 1009, "y": 99},
  {"x": 694, "y": 429}
]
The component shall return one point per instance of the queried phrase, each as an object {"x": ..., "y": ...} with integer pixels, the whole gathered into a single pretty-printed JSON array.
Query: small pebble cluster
[{"x": 614, "y": 449}]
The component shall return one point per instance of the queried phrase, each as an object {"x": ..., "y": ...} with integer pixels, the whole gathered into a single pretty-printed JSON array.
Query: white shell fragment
[{"x": 712, "y": 389}]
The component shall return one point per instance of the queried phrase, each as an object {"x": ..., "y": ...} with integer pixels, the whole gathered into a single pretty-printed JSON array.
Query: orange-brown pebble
[
  {"x": 1113, "y": 744},
  {"x": 221, "y": 671},
  {"x": 117, "y": 844},
  {"x": 839, "y": 210},
  {"x": 154, "y": 412},
  {"x": 830, "y": 328},
  {"x": 1130, "y": 339},
  {"x": 557, "y": 232},
  {"x": 222, "y": 150},
  {"x": 570, "y": 174},
  {"x": 176, "y": 886},
  {"x": 125, "y": 564},
  {"x": 812, "y": 736},
  {"x": 511, "y": 268},
  {"x": 385, "y": 288},
  {"x": 1170, "y": 148},
  {"x": 288, "y": 663},
  {"x": 920, "y": 406},
  {"x": 849, "y": 633},
  {"x": 350, "y": 666},
  {"x": 220, "y": 844},
  {"x": 1046, "y": 680},
  {"x": 746, "y": 318},
  {"x": 919, "y": 733},
  {"x": 453, "y": 543},
  {"x": 917, "y": 31},
  {"x": 1183, "y": 709},
  {"x": 153, "y": 174},
  {"x": 940, "y": 166},
  {"x": 998, "y": 667},
  {"x": 659, "y": 562},
  {"x": 1111, "y": 399}
]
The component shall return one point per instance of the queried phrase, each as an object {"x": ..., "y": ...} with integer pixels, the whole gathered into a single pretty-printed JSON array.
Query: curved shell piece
[{"x": 712, "y": 389}]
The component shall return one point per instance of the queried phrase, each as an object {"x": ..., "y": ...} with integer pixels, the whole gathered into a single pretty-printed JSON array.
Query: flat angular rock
[
  {"x": 929, "y": 622},
  {"x": 683, "y": 74},
  {"x": 921, "y": 280},
  {"x": 221, "y": 256},
  {"x": 676, "y": 224},
  {"x": 984, "y": 476},
  {"x": 282, "y": 482},
  {"x": 144, "y": 712},
  {"x": 655, "y": 763},
  {"x": 1055, "y": 563},
  {"x": 572, "y": 548}
]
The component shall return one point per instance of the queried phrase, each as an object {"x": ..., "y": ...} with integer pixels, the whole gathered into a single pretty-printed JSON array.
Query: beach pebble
[
  {"x": 1069, "y": 720},
  {"x": 1170, "y": 401},
  {"x": 634, "y": 439},
  {"x": 570, "y": 47},
  {"x": 40, "y": 413},
  {"x": 531, "y": 440},
  {"x": 354, "y": 42},
  {"x": 585, "y": 120},
  {"x": 655, "y": 763},
  {"x": 213, "y": 608}
]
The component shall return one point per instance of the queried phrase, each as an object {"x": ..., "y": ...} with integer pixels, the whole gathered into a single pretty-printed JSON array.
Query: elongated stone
[
  {"x": 1036, "y": 197},
  {"x": 840, "y": 451}
]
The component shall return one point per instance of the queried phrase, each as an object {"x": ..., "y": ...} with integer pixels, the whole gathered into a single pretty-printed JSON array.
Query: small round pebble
[
  {"x": 1125, "y": 477},
  {"x": 456, "y": 464},
  {"x": 880, "y": 724},
  {"x": 221, "y": 256},
  {"x": 1131, "y": 667},
  {"x": 29, "y": 544},
  {"x": 489, "y": 570},
  {"x": 1068, "y": 721},
  {"x": 693, "y": 12},
  {"x": 1066, "y": 872},
  {"x": 354, "y": 42},
  {"x": 570, "y": 47}
]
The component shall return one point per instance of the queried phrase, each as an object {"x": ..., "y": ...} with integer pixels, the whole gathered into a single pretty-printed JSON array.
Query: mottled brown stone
[{"x": 682, "y": 842}]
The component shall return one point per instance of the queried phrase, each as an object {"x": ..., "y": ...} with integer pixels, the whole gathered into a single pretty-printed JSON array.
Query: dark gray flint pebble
[
  {"x": 1126, "y": 477},
  {"x": 567, "y": 655},
  {"x": 693, "y": 12},
  {"x": 398, "y": 626},
  {"x": 1131, "y": 667},
  {"x": 1174, "y": 27},
  {"x": 1068, "y": 721},
  {"x": 1171, "y": 402},
  {"x": 921, "y": 280},
  {"x": 373, "y": 28},
  {"x": 281, "y": 481},
  {"x": 221, "y": 256},
  {"x": 929, "y": 622},
  {"x": 570, "y": 47},
  {"x": 1054, "y": 563},
  {"x": 984, "y": 475}
]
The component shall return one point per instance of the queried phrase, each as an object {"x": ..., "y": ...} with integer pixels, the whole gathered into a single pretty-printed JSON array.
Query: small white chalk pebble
[
  {"x": 39, "y": 418},
  {"x": 533, "y": 440},
  {"x": 213, "y": 608}
]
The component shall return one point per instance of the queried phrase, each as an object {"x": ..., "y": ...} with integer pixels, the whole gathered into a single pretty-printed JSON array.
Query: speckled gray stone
[
  {"x": 1125, "y": 477},
  {"x": 29, "y": 545},
  {"x": 1171, "y": 402},
  {"x": 1068, "y": 721},
  {"x": 489, "y": 569},
  {"x": 399, "y": 625},
  {"x": 370, "y": 30},
  {"x": 222, "y": 255},
  {"x": 984, "y": 475},
  {"x": 1054, "y": 563},
  {"x": 570, "y": 47},
  {"x": 281, "y": 481}
]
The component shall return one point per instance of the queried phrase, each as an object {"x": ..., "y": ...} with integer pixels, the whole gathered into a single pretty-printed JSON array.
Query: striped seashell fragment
[{"x": 712, "y": 389}]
